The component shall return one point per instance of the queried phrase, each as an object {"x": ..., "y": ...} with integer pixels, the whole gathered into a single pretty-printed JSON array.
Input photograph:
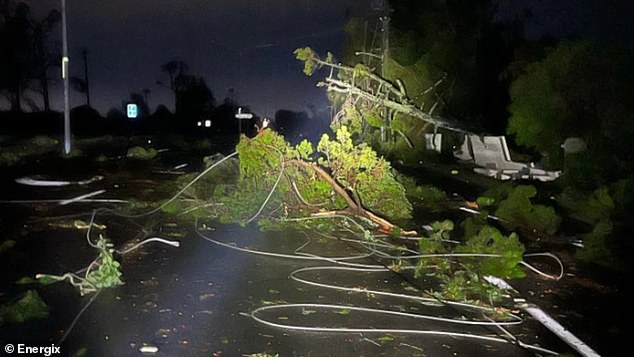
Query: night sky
[
  {"x": 248, "y": 44},
  {"x": 241, "y": 44}
]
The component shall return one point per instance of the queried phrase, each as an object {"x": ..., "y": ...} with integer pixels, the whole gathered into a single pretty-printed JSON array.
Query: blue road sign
[{"x": 133, "y": 111}]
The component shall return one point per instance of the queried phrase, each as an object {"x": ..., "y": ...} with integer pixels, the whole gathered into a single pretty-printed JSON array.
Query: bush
[
  {"x": 30, "y": 306},
  {"x": 141, "y": 153},
  {"x": 515, "y": 209}
]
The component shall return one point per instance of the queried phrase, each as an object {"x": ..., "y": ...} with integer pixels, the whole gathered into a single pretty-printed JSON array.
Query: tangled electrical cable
[{"x": 344, "y": 264}]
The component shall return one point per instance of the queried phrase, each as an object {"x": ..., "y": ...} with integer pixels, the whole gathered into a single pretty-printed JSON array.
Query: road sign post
[{"x": 240, "y": 115}]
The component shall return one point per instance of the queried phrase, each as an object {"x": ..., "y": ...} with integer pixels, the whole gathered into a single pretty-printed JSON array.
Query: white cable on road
[
  {"x": 79, "y": 198},
  {"x": 561, "y": 332},
  {"x": 254, "y": 315}
]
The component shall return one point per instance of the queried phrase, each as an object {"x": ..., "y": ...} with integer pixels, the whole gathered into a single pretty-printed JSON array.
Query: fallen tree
[{"x": 277, "y": 182}]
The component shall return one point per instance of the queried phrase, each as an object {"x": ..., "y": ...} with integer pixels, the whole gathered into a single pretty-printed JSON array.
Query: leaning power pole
[
  {"x": 65, "y": 77},
  {"x": 385, "y": 30},
  {"x": 383, "y": 8}
]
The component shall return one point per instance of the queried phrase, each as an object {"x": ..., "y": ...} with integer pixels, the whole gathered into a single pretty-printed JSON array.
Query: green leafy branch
[
  {"x": 103, "y": 272},
  {"x": 461, "y": 268}
]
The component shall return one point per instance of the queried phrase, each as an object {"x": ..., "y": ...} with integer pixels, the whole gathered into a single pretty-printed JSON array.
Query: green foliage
[
  {"x": 466, "y": 285},
  {"x": 595, "y": 248},
  {"x": 490, "y": 241},
  {"x": 8, "y": 158},
  {"x": 578, "y": 90},
  {"x": 622, "y": 193},
  {"x": 484, "y": 201},
  {"x": 6, "y": 245},
  {"x": 432, "y": 39},
  {"x": 587, "y": 170},
  {"x": 535, "y": 111},
  {"x": 173, "y": 207},
  {"x": 74, "y": 153},
  {"x": 590, "y": 208},
  {"x": 416, "y": 79},
  {"x": 429, "y": 196},
  {"x": 15, "y": 153},
  {"x": 359, "y": 169},
  {"x": 608, "y": 209},
  {"x": 211, "y": 185},
  {"x": 498, "y": 192},
  {"x": 434, "y": 244},
  {"x": 462, "y": 279},
  {"x": 350, "y": 116},
  {"x": 141, "y": 153},
  {"x": 305, "y": 150},
  {"x": 311, "y": 59},
  {"x": 108, "y": 273},
  {"x": 103, "y": 272},
  {"x": 300, "y": 190},
  {"x": 473, "y": 225},
  {"x": 101, "y": 158},
  {"x": 29, "y": 307},
  {"x": 515, "y": 209},
  {"x": 261, "y": 160},
  {"x": 44, "y": 141}
]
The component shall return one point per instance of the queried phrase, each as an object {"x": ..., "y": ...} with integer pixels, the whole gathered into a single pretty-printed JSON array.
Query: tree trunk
[{"x": 353, "y": 208}]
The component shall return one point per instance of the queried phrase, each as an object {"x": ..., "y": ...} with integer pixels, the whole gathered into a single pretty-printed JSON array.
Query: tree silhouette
[
  {"x": 82, "y": 85},
  {"x": 16, "y": 56},
  {"x": 43, "y": 57},
  {"x": 25, "y": 57},
  {"x": 193, "y": 100},
  {"x": 146, "y": 94},
  {"x": 578, "y": 90},
  {"x": 174, "y": 69}
]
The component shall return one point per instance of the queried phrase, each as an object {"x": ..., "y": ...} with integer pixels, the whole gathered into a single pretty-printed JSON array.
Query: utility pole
[
  {"x": 66, "y": 77},
  {"x": 383, "y": 8},
  {"x": 385, "y": 30},
  {"x": 84, "y": 54}
]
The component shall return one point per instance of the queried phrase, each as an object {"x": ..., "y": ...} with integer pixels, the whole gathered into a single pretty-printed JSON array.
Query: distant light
[
  {"x": 133, "y": 111},
  {"x": 65, "y": 62},
  {"x": 199, "y": 123},
  {"x": 207, "y": 123}
]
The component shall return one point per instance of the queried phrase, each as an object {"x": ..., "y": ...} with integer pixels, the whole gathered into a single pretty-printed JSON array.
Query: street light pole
[{"x": 65, "y": 77}]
